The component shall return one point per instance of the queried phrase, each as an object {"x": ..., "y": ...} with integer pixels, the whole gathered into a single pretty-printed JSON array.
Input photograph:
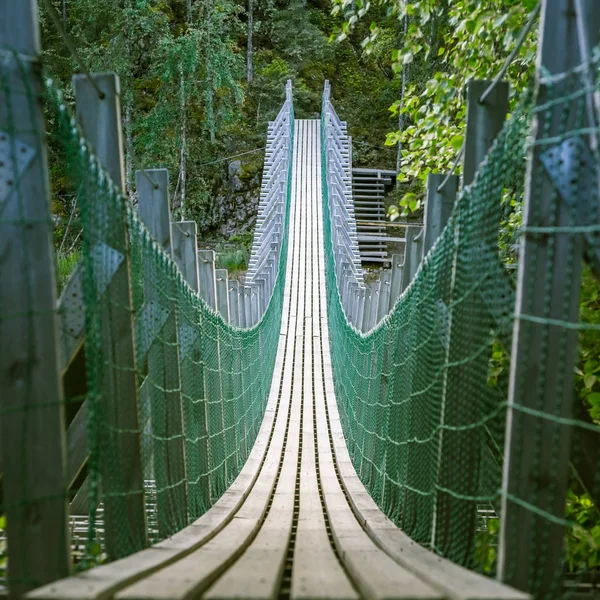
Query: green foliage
[
  {"x": 233, "y": 259},
  {"x": 66, "y": 264},
  {"x": 583, "y": 538},
  {"x": 446, "y": 44}
]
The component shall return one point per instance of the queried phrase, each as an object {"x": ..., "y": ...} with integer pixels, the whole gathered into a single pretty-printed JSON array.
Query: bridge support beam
[
  {"x": 123, "y": 489},
  {"x": 164, "y": 378},
  {"x": 32, "y": 432},
  {"x": 458, "y": 488},
  {"x": 441, "y": 196},
  {"x": 537, "y": 445}
]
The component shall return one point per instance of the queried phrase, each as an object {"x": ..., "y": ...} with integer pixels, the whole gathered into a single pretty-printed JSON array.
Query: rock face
[{"x": 233, "y": 211}]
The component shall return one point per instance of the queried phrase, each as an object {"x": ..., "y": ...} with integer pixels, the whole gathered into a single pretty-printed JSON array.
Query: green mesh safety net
[
  {"x": 173, "y": 411},
  {"x": 423, "y": 396}
]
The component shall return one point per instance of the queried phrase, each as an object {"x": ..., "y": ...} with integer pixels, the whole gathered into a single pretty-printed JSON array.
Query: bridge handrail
[
  {"x": 266, "y": 245},
  {"x": 338, "y": 175}
]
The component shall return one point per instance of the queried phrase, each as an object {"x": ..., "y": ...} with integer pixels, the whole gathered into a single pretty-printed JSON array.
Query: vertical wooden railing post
[
  {"x": 396, "y": 283},
  {"x": 537, "y": 448},
  {"x": 234, "y": 298},
  {"x": 457, "y": 486},
  {"x": 412, "y": 253},
  {"x": 185, "y": 253},
  {"x": 123, "y": 488},
  {"x": 164, "y": 375},
  {"x": 208, "y": 283},
  {"x": 441, "y": 196},
  {"x": 384, "y": 294},
  {"x": 222, "y": 279},
  {"x": 32, "y": 435},
  {"x": 184, "y": 235}
]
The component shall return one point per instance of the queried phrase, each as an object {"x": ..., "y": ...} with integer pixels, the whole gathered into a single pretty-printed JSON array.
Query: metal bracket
[
  {"x": 24, "y": 155},
  {"x": 148, "y": 323},
  {"x": 71, "y": 306},
  {"x": 106, "y": 261},
  {"x": 187, "y": 338},
  {"x": 573, "y": 170},
  {"x": 565, "y": 164}
]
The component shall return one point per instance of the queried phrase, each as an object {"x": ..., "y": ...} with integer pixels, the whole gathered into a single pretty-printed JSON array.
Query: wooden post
[
  {"x": 100, "y": 119},
  {"x": 185, "y": 252},
  {"x": 184, "y": 235},
  {"x": 208, "y": 284},
  {"x": 366, "y": 309},
  {"x": 536, "y": 452},
  {"x": 222, "y": 279},
  {"x": 32, "y": 430},
  {"x": 164, "y": 376},
  {"x": 234, "y": 297},
  {"x": 412, "y": 254},
  {"x": 153, "y": 204},
  {"x": 484, "y": 123},
  {"x": 384, "y": 294},
  {"x": 375, "y": 293},
  {"x": 396, "y": 284},
  {"x": 248, "y": 305},
  {"x": 456, "y": 445},
  {"x": 438, "y": 206},
  {"x": 360, "y": 308}
]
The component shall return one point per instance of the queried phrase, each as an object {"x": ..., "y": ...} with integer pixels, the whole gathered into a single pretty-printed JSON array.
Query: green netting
[
  {"x": 423, "y": 397},
  {"x": 202, "y": 384}
]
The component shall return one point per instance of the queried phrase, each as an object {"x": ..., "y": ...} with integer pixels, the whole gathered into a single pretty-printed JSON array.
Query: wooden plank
[
  {"x": 412, "y": 254},
  {"x": 316, "y": 573},
  {"x": 222, "y": 286},
  {"x": 164, "y": 376},
  {"x": 208, "y": 284},
  {"x": 153, "y": 204},
  {"x": 77, "y": 444},
  {"x": 234, "y": 302},
  {"x": 396, "y": 284},
  {"x": 32, "y": 431},
  {"x": 536, "y": 467},
  {"x": 100, "y": 120},
  {"x": 258, "y": 572},
  {"x": 184, "y": 235}
]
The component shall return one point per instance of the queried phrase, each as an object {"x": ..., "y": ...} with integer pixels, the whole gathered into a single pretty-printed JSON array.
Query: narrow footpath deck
[{"x": 297, "y": 523}]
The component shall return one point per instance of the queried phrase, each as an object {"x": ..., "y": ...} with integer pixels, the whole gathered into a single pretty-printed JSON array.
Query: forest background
[{"x": 200, "y": 79}]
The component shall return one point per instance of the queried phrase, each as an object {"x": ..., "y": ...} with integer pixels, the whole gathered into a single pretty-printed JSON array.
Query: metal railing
[
  {"x": 338, "y": 156},
  {"x": 268, "y": 234}
]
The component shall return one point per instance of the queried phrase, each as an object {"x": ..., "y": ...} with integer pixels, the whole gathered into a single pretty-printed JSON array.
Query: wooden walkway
[{"x": 297, "y": 522}]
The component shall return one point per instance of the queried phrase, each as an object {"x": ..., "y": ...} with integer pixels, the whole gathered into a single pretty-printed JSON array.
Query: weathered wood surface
[
  {"x": 536, "y": 468},
  {"x": 32, "y": 436},
  {"x": 100, "y": 120}
]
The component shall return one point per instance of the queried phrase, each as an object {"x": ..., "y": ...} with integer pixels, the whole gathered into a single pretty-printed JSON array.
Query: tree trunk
[
  {"x": 128, "y": 150},
  {"x": 250, "y": 67},
  {"x": 400, "y": 114},
  {"x": 182, "y": 160}
]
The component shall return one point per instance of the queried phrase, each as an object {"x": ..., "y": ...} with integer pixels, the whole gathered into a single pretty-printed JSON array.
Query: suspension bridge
[{"x": 170, "y": 433}]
